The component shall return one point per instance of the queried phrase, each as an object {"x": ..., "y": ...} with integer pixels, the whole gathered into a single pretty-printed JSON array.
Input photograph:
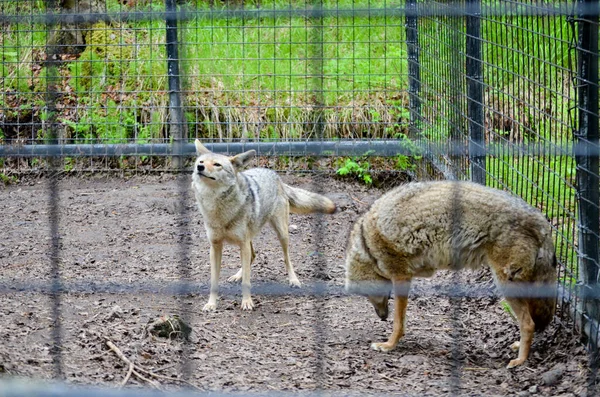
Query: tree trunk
[{"x": 68, "y": 38}]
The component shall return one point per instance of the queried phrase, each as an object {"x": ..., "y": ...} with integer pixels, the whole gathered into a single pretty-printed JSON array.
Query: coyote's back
[{"x": 419, "y": 228}]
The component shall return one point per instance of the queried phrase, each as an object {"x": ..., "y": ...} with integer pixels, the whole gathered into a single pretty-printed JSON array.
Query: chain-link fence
[{"x": 503, "y": 93}]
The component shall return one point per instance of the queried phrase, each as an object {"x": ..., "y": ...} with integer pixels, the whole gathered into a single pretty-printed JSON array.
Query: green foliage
[
  {"x": 506, "y": 307},
  {"x": 69, "y": 164},
  {"x": 7, "y": 179},
  {"x": 358, "y": 168},
  {"x": 547, "y": 183},
  {"x": 110, "y": 122},
  {"x": 410, "y": 153}
]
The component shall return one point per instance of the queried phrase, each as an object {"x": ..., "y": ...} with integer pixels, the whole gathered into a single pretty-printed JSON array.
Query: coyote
[
  {"x": 235, "y": 206},
  {"x": 419, "y": 228}
]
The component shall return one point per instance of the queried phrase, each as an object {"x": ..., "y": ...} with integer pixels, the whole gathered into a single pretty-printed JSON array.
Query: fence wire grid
[{"x": 502, "y": 93}]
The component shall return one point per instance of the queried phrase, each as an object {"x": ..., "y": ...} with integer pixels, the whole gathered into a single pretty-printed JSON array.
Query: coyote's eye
[
  {"x": 217, "y": 164},
  {"x": 201, "y": 162}
]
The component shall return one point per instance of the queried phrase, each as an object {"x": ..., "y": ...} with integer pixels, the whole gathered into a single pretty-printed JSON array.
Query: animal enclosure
[{"x": 102, "y": 99}]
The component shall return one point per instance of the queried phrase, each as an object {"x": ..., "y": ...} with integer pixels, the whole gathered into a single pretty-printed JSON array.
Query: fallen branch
[
  {"x": 132, "y": 366},
  {"x": 129, "y": 372},
  {"x": 138, "y": 371}
]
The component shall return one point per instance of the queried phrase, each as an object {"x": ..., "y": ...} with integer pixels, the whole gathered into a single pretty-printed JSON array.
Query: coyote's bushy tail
[
  {"x": 305, "y": 202},
  {"x": 542, "y": 310}
]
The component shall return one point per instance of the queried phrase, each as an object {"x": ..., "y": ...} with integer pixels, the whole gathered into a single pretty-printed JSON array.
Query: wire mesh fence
[{"x": 503, "y": 93}]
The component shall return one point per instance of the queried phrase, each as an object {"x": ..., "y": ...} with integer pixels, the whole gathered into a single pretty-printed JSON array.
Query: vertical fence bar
[
  {"x": 586, "y": 158},
  {"x": 318, "y": 128},
  {"x": 456, "y": 92},
  {"x": 51, "y": 132},
  {"x": 414, "y": 67},
  {"x": 586, "y": 141},
  {"x": 474, "y": 72},
  {"x": 176, "y": 125},
  {"x": 177, "y": 129}
]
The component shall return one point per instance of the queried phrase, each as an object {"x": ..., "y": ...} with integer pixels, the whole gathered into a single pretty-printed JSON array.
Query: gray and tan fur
[
  {"x": 236, "y": 205},
  {"x": 419, "y": 228}
]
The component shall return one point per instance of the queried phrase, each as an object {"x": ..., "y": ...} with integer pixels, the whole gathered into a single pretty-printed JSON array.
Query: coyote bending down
[{"x": 418, "y": 228}]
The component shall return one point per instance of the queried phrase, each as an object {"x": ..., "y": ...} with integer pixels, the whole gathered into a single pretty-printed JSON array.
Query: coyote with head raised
[
  {"x": 236, "y": 205},
  {"x": 419, "y": 228}
]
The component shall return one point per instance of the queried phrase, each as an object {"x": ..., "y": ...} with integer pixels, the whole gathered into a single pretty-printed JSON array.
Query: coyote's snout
[{"x": 419, "y": 228}]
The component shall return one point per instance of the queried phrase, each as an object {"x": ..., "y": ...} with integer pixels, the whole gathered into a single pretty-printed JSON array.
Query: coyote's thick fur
[
  {"x": 419, "y": 228},
  {"x": 235, "y": 206}
]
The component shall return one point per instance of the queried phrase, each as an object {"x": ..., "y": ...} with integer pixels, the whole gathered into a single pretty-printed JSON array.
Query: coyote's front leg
[
  {"x": 400, "y": 303},
  {"x": 246, "y": 253},
  {"x": 216, "y": 254}
]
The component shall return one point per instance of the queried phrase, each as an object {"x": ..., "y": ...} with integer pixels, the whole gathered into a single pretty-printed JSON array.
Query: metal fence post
[
  {"x": 179, "y": 136},
  {"x": 586, "y": 154},
  {"x": 176, "y": 126},
  {"x": 52, "y": 138},
  {"x": 316, "y": 69},
  {"x": 588, "y": 182},
  {"x": 474, "y": 76},
  {"x": 457, "y": 150},
  {"x": 414, "y": 68}
]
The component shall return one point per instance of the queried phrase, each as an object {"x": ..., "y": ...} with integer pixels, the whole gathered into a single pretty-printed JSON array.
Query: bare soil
[{"x": 126, "y": 233}]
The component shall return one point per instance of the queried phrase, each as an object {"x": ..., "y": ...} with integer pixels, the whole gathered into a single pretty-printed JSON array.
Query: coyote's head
[
  {"x": 362, "y": 277},
  {"x": 216, "y": 169}
]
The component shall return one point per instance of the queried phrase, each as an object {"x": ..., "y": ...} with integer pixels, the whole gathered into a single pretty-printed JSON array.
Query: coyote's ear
[
  {"x": 241, "y": 160},
  {"x": 200, "y": 149}
]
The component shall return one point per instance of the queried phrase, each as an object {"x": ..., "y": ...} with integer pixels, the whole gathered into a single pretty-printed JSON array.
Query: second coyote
[{"x": 419, "y": 228}]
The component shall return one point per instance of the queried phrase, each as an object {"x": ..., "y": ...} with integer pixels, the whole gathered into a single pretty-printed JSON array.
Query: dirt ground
[{"x": 125, "y": 233}]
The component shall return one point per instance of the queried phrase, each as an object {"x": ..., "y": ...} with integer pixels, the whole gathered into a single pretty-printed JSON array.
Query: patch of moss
[{"x": 105, "y": 55}]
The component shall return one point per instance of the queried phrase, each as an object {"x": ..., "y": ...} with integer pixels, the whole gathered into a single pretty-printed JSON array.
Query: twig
[
  {"x": 357, "y": 200},
  {"x": 129, "y": 372},
  {"x": 158, "y": 376},
  {"x": 137, "y": 370},
  {"x": 163, "y": 368},
  {"x": 142, "y": 377},
  {"x": 132, "y": 366},
  {"x": 386, "y": 378}
]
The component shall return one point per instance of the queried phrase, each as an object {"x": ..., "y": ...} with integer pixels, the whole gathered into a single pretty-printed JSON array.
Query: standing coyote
[
  {"x": 418, "y": 228},
  {"x": 235, "y": 206}
]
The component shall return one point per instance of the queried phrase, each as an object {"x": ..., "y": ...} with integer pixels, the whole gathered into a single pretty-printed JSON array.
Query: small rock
[
  {"x": 551, "y": 377},
  {"x": 293, "y": 229},
  {"x": 533, "y": 389},
  {"x": 523, "y": 393},
  {"x": 171, "y": 327}
]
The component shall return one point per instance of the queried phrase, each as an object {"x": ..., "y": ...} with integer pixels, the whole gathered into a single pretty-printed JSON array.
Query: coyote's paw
[
  {"x": 236, "y": 278},
  {"x": 382, "y": 347},
  {"x": 514, "y": 363},
  {"x": 294, "y": 282},
  {"x": 247, "y": 304},
  {"x": 515, "y": 346},
  {"x": 210, "y": 307}
]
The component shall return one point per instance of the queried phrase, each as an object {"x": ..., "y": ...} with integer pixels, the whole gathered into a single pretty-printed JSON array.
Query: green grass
[
  {"x": 251, "y": 77},
  {"x": 548, "y": 183},
  {"x": 239, "y": 71}
]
